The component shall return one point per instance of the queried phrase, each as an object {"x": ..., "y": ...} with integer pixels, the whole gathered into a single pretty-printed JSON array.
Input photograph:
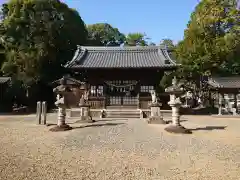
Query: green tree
[
  {"x": 167, "y": 42},
  {"x": 211, "y": 41},
  {"x": 134, "y": 39},
  {"x": 39, "y": 38},
  {"x": 170, "y": 46},
  {"x": 2, "y": 55},
  {"x": 103, "y": 34}
]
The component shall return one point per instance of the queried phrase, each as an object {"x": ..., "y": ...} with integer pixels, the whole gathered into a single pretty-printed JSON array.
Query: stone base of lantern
[
  {"x": 156, "y": 116},
  {"x": 85, "y": 119},
  {"x": 178, "y": 129},
  {"x": 64, "y": 127},
  {"x": 156, "y": 120},
  {"x": 85, "y": 115}
]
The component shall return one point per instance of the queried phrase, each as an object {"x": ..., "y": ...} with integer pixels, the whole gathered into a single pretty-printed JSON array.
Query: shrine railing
[{"x": 97, "y": 102}]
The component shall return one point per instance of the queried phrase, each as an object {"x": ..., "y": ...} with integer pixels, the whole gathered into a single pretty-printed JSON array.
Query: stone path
[{"x": 119, "y": 149}]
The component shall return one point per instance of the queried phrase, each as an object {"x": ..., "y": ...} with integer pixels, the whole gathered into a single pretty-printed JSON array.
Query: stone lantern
[
  {"x": 61, "y": 103},
  {"x": 175, "y": 92}
]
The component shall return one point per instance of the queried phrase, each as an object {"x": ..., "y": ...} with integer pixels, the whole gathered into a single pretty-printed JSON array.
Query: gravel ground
[{"x": 119, "y": 149}]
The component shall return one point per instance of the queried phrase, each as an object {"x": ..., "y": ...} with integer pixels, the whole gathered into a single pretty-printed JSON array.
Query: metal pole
[
  {"x": 44, "y": 112},
  {"x": 38, "y": 112}
]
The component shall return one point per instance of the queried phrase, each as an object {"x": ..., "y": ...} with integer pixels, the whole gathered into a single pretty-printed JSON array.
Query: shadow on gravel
[
  {"x": 209, "y": 128},
  {"x": 169, "y": 121},
  {"x": 54, "y": 124},
  {"x": 110, "y": 120},
  {"x": 98, "y": 125}
]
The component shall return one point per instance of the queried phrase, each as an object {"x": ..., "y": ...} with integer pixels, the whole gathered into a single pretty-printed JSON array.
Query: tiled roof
[
  {"x": 225, "y": 82},
  {"x": 69, "y": 81},
  {"x": 4, "y": 80},
  {"x": 121, "y": 57}
]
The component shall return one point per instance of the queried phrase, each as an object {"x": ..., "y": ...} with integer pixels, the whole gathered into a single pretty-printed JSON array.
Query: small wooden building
[
  {"x": 120, "y": 76},
  {"x": 228, "y": 90}
]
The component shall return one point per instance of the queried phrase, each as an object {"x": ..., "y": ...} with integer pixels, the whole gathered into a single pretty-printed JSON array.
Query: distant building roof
[
  {"x": 225, "y": 82},
  {"x": 121, "y": 57},
  {"x": 4, "y": 80}
]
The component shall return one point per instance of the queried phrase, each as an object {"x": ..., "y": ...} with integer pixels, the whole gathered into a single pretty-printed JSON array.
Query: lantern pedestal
[
  {"x": 85, "y": 116},
  {"x": 61, "y": 125},
  {"x": 177, "y": 129},
  {"x": 156, "y": 115},
  {"x": 175, "y": 126}
]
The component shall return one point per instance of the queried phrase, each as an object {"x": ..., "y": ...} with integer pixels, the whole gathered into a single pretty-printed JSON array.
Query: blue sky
[{"x": 157, "y": 18}]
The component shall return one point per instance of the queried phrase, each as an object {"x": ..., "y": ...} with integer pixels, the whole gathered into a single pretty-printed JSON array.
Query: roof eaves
[
  {"x": 213, "y": 82},
  {"x": 168, "y": 57},
  {"x": 167, "y": 66},
  {"x": 68, "y": 79},
  {"x": 78, "y": 55}
]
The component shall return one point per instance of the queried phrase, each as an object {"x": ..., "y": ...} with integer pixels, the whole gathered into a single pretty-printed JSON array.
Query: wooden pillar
[
  {"x": 138, "y": 86},
  {"x": 220, "y": 99},
  {"x": 105, "y": 95},
  {"x": 235, "y": 102},
  {"x": 138, "y": 101}
]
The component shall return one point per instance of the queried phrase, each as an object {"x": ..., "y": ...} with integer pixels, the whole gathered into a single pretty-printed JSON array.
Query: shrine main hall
[{"x": 120, "y": 76}]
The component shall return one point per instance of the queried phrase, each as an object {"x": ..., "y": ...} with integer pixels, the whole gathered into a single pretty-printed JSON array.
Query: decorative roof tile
[
  {"x": 121, "y": 57},
  {"x": 69, "y": 81},
  {"x": 4, "y": 80},
  {"x": 225, "y": 82}
]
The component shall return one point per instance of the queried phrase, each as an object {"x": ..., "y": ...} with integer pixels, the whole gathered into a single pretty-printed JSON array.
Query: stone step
[
  {"x": 122, "y": 113},
  {"x": 121, "y": 107},
  {"x": 122, "y": 116}
]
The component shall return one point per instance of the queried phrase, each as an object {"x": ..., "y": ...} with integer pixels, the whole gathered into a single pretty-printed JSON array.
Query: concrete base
[
  {"x": 85, "y": 119},
  {"x": 178, "y": 129},
  {"x": 156, "y": 120},
  {"x": 61, "y": 128}
]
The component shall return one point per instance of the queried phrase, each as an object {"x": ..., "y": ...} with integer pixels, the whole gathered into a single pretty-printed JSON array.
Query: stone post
[
  {"x": 38, "y": 112},
  {"x": 44, "y": 112}
]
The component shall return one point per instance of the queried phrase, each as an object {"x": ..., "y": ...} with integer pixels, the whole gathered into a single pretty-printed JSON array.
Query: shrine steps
[
  {"x": 122, "y": 107},
  {"x": 108, "y": 113},
  {"x": 122, "y": 113}
]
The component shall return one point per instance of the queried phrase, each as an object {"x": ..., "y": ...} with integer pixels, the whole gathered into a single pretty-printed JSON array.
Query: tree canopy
[
  {"x": 168, "y": 42},
  {"x": 38, "y": 38},
  {"x": 134, "y": 39},
  {"x": 103, "y": 34},
  {"x": 211, "y": 41}
]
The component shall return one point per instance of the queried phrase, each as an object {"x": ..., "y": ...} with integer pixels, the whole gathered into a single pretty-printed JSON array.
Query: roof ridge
[{"x": 125, "y": 48}]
